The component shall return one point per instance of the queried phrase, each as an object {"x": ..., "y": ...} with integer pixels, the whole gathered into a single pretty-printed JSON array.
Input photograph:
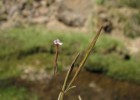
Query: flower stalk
[
  {"x": 57, "y": 43},
  {"x": 68, "y": 84}
]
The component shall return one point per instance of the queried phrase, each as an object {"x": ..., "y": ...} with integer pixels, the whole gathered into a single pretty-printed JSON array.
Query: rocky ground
[{"x": 119, "y": 20}]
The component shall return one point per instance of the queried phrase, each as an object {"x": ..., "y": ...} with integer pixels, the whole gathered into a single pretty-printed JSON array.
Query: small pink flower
[{"x": 57, "y": 42}]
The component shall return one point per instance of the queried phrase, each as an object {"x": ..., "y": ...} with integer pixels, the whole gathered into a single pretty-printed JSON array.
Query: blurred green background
[{"x": 29, "y": 27}]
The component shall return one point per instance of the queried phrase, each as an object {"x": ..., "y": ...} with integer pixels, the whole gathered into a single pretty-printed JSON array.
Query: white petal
[
  {"x": 60, "y": 43},
  {"x": 57, "y": 42}
]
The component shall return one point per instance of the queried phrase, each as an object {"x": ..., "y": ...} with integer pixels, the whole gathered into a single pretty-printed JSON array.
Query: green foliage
[
  {"x": 100, "y": 2},
  {"x": 125, "y": 70},
  {"x": 106, "y": 51},
  {"x": 25, "y": 46},
  {"x": 130, "y": 30},
  {"x": 130, "y": 3},
  {"x": 107, "y": 44},
  {"x": 115, "y": 66},
  {"x": 136, "y": 18},
  {"x": 8, "y": 69},
  {"x": 1, "y": 4},
  {"x": 112, "y": 62},
  {"x": 16, "y": 93},
  {"x": 22, "y": 40}
]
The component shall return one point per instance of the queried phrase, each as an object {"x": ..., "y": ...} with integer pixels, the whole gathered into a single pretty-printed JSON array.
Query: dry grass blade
[
  {"x": 69, "y": 72},
  {"x": 92, "y": 44},
  {"x": 64, "y": 88},
  {"x": 79, "y": 97},
  {"x": 69, "y": 88}
]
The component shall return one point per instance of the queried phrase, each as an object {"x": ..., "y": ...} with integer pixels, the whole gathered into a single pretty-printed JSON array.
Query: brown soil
[{"x": 90, "y": 86}]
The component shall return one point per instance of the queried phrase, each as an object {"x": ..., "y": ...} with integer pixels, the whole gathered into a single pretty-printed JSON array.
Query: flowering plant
[{"x": 68, "y": 84}]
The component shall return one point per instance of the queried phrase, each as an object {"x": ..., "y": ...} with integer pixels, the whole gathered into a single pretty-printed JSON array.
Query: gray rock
[
  {"x": 39, "y": 20},
  {"x": 70, "y": 17}
]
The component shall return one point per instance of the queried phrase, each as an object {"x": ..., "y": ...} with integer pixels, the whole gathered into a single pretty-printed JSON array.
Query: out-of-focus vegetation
[
  {"x": 100, "y": 2},
  {"x": 130, "y": 3},
  {"x": 136, "y": 18},
  {"x": 111, "y": 57},
  {"x": 128, "y": 22},
  {"x": 16, "y": 93},
  {"x": 24, "y": 46},
  {"x": 131, "y": 28},
  {"x": 20, "y": 47},
  {"x": 122, "y": 3}
]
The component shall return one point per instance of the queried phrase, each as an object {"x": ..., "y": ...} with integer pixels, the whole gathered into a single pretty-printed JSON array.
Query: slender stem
[
  {"x": 79, "y": 97},
  {"x": 92, "y": 44},
  {"x": 55, "y": 60},
  {"x": 69, "y": 72},
  {"x": 68, "y": 89},
  {"x": 61, "y": 95}
]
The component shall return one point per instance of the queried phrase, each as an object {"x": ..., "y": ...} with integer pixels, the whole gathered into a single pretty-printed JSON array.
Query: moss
[
  {"x": 111, "y": 58},
  {"x": 33, "y": 46},
  {"x": 8, "y": 69},
  {"x": 107, "y": 44},
  {"x": 115, "y": 66},
  {"x": 125, "y": 70},
  {"x": 24, "y": 39},
  {"x": 16, "y": 93},
  {"x": 27, "y": 46},
  {"x": 100, "y": 62}
]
